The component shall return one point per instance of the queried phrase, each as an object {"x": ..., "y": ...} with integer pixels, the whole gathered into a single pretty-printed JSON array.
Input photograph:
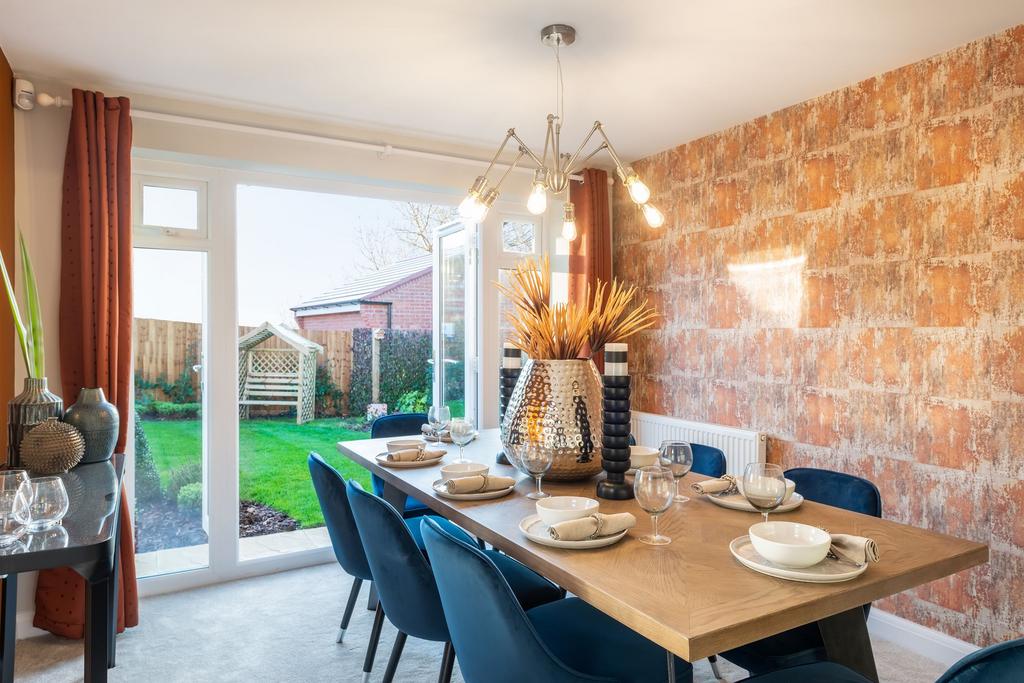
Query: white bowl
[
  {"x": 457, "y": 470},
  {"x": 396, "y": 445},
  {"x": 790, "y": 544},
  {"x": 642, "y": 456},
  {"x": 790, "y": 487},
  {"x": 563, "y": 508}
]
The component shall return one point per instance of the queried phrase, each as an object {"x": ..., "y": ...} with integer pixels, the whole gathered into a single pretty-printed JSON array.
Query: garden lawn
[{"x": 272, "y": 458}]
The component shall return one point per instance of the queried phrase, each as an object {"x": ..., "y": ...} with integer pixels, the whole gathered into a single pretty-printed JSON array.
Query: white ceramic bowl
[
  {"x": 790, "y": 487},
  {"x": 396, "y": 445},
  {"x": 642, "y": 456},
  {"x": 790, "y": 544},
  {"x": 462, "y": 469},
  {"x": 563, "y": 508}
]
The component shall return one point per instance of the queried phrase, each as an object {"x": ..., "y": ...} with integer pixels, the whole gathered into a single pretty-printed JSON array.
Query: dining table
[
  {"x": 691, "y": 597},
  {"x": 87, "y": 540}
]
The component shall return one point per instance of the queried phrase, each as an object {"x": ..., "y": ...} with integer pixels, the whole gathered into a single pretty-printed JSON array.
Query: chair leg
[
  {"x": 447, "y": 663},
  {"x": 713, "y": 661},
  {"x": 349, "y": 606},
  {"x": 371, "y": 647},
  {"x": 396, "y": 654}
]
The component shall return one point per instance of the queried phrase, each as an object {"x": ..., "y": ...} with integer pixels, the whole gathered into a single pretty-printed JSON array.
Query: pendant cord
[{"x": 559, "y": 84}]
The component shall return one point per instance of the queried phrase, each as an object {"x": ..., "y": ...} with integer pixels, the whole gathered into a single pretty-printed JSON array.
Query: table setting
[{"x": 32, "y": 506}]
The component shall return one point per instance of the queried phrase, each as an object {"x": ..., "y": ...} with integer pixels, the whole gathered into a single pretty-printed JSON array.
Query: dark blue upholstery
[
  {"x": 399, "y": 424},
  {"x": 341, "y": 526},
  {"x": 708, "y": 460},
  {"x": 803, "y": 644},
  {"x": 819, "y": 672},
  {"x": 561, "y": 642},
  {"x": 1000, "y": 663}
]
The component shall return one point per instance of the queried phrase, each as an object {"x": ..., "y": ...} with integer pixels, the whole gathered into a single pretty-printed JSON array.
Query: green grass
[{"x": 272, "y": 458}]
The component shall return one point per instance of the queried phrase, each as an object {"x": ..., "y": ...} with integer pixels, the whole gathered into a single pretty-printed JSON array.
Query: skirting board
[{"x": 917, "y": 638}]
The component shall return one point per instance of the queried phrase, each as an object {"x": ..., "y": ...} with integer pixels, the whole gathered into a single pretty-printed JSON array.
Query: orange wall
[
  {"x": 6, "y": 238},
  {"x": 847, "y": 275}
]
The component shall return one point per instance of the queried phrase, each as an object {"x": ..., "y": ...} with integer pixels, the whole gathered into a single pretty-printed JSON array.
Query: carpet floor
[{"x": 281, "y": 627}]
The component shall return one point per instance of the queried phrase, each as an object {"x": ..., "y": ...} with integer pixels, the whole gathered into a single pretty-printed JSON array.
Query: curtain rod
[{"x": 383, "y": 150}]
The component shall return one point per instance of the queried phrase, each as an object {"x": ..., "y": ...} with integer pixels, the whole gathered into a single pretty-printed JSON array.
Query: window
[
  {"x": 518, "y": 237},
  {"x": 169, "y": 206}
]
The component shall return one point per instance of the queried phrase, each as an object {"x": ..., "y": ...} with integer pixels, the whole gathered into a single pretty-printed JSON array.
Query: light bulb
[
  {"x": 538, "y": 201},
  {"x": 569, "y": 222},
  {"x": 473, "y": 207},
  {"x": 654, "y": 218},
  {"x": 638, "y": 191}
]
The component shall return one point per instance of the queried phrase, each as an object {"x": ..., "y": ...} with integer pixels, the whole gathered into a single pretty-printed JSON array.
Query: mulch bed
[{"x": 161, "y": 525}]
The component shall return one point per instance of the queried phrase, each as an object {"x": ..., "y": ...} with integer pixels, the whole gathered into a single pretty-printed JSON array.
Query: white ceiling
[{"x": 656, "y": 72}]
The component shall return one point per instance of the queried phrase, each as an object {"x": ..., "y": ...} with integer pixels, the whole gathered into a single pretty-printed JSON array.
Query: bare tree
[
  {"x": 375, "y": 247},
  {"x": 419, "y": 222}
]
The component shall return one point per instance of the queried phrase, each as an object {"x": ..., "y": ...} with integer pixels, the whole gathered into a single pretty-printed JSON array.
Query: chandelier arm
[
  {"x": 619, "y": 166},
  {"x": 523, "y": 147},
  {"x": 512, "y": 167},
  {"x": 508, "y": 136},
  {"x": 572, "y": 160},
  {"x": 571, "y": 169}
]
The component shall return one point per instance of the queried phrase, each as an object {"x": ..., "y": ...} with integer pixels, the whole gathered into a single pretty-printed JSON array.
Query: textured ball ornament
[{"x": 52, "y": 447}]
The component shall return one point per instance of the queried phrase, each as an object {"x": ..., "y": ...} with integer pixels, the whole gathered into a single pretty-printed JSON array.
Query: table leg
[
  {"x": 112, "y": 597},
  {"x": 395, "y": 496},
  {"x": 671, "y": 666},
  {"x": 8, "y": 623},
  {"x": 97, "y": 629},
  {"x": 846, "y": 641}
]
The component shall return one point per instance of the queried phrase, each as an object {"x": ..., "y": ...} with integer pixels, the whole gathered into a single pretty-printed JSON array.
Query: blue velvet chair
[
  {"x": 405, "y": 581},
  {"x": 803, "y": 644},
  {"x": 566, "y": 641},
  {"x": 999, "y": 663},
  {"x": 708, "y": 460},
  {"x": 348, "y": 546},
  {"x": 399, "y": 424}
]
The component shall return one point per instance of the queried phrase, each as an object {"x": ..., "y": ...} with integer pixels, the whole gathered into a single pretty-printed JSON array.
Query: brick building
[{"x": 396, "y": 297}]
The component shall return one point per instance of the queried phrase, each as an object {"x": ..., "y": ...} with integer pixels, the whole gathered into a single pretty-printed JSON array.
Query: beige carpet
[{"x": 281, "y": 628}]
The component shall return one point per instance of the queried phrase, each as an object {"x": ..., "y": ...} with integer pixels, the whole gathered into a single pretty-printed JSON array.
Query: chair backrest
[
  {"x": 708, "y": 460},
  {"x": 999, "y": 663},
  {"x": 341, "y": 525},
  {"x": 492, "y": 635},
  {"x": 837, "y": 489},
  {"x": 399, "y": 424},
  {"x": 404, "y": 580}
]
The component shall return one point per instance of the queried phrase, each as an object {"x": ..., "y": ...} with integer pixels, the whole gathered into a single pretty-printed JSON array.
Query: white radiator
[{"x": 741, "y": 446}]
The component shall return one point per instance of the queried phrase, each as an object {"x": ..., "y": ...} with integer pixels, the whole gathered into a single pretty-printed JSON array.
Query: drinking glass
[
  {"x": 462, "y": 432},
  {"x": 15, "y": 496},
  {"x": 678, "y": 457},
  {"x": 53, "y": 538},
  {"x": 764, "y": 486},
  {"x": 49, "y": 503},
  {"x": 655, "y": 489},
  {"x": 438, "y": 418},
  {"x": 534, "y": 461}
]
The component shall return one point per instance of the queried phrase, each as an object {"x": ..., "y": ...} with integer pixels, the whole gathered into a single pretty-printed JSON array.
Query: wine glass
[
  {"x": 438, "y": 417},
  {"x": 534, "y": 461},
  {"x": 678, "y": 457},
  {"x": 764, "y": 486},
  {"x": 15, "y": 496},
  {"x": 655, "y": 489},
  {"x": 462, "y": 432},
  {"x": 49, "y": 503}
]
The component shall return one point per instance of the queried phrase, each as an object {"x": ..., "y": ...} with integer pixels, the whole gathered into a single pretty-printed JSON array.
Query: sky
[{"x": 292, "y": 245}]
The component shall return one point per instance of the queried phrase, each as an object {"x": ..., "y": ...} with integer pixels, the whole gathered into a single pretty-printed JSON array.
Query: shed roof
[
  {"x": 371, "y": 286},
  {"x": 269, "y": 329}
]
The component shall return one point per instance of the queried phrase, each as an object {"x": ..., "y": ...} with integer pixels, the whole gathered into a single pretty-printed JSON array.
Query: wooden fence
[{"x": 167, "y": 348}]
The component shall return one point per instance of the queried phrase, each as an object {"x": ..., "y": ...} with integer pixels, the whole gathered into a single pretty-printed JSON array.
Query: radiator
[{"x": 741, "y": 446}]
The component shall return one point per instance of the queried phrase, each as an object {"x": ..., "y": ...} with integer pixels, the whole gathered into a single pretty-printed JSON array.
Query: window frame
[{"x": 200, "y": 187}]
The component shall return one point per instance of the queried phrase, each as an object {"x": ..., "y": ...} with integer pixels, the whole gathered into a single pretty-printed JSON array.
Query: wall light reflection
[{"x": 774, "y": 287}]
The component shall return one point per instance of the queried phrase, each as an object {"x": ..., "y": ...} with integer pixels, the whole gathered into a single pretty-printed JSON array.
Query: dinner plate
[
  {"x": 736, "y": 501},
  {"x": 534, "y": 528},
  {"x": 440, "y": 490},
  {"x": 826, "y": 571},
  {"x": 382, "y": 459}
]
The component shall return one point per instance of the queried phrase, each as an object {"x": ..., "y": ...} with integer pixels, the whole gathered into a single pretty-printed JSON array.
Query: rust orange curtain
[
  {"x": 590, "y": 254},
  {"x": 95, "y": 318}
]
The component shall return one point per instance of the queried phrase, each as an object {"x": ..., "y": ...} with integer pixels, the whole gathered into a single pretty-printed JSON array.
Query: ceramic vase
[
  {"x": 33, "y": 405},
  {"x": 52, "y": 447},
  {"x": 556, "y": 405},
  {"x": 98, "y": 421}
]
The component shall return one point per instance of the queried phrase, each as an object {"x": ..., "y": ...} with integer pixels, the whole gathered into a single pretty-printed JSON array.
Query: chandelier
[{"x": 554, "y": 168}]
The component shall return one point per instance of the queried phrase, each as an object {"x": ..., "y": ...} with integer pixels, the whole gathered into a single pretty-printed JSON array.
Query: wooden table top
[{"x": 691, "y": 596}]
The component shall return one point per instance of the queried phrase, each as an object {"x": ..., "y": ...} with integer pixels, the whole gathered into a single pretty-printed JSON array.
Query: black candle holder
[
  {"x": 506, "y": 384},
  {"x": 615, "y": 450}
]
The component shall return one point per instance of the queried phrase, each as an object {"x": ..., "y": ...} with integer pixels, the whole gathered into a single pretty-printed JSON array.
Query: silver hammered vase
[
  {"x": 556, "y": 406},
  {"x": 32, "y": 406}
]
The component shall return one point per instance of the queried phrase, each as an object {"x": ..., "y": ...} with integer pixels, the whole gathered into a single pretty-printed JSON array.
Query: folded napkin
[
  {"x": 712, "y": 486},
  {"x": 479, "y": 483},
  {"x": 414, "y": 454},
  {"x": 592, "y": 526},
  {"x": 855, "y": 549}
]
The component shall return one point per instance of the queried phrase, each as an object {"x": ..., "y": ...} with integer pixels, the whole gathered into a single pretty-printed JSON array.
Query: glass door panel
[{"x": 455, "y": 352}]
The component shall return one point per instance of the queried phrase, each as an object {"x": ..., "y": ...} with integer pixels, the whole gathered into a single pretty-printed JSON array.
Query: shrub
[
  {"x": 181, "y": 390},
  {"x": 190, "y": 497},
  {"x": 147, "y": 479},
  {"x": 414, "y": 401},
  {"x": 330, "y": 399},
  {"x": 180, "y": 477},
  {"x": 404, "y": 366},
  {"x": 168, "y": 411}
]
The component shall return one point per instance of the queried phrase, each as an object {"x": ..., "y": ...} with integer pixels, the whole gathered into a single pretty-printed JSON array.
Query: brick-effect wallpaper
[{"x": 847, "y": 275}]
